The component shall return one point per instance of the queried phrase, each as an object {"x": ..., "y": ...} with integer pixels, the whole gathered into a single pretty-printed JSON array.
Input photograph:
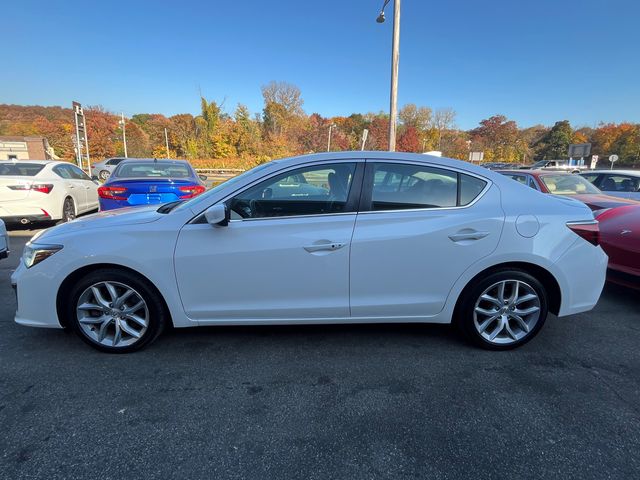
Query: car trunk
[
  {"x": 145, "y": 191},
  {"x": 13, "y": 194}
]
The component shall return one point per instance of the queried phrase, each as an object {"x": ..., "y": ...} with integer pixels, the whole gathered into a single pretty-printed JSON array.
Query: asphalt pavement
[{"x": 324, "y": 402}]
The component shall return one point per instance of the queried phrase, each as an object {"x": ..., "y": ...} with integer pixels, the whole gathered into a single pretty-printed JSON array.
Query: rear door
[
  {"x": 90, "y": 188},
  {"x": 72, "y": 185},
  {"x": 418, "y": 230}
]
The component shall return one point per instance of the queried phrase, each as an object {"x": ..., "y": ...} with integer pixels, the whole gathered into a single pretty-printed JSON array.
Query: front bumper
[{"x": 39, "y": 308}]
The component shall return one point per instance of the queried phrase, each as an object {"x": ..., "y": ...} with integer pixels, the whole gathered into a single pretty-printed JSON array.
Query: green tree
[{"x": 555, "y": 144}]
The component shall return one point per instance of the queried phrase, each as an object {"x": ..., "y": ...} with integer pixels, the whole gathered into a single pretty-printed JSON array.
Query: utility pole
[
  {"x": 166, "y": 141},
  {"x": 124, "y": 134},
  {"x": 395, "y": 59},
  {"x": 329, "y": 141}
]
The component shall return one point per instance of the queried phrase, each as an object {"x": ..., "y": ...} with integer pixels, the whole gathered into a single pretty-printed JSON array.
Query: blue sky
[{"x": 536, "y": 62}]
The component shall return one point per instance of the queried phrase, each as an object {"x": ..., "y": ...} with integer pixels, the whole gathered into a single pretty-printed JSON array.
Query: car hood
[
  {"x": 109, "y": 218},
  {"x": 599, "y": 201}
]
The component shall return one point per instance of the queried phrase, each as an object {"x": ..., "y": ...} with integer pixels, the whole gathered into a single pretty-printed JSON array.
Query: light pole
[
  {"x": 395, "y": 54},
  {"x": 124, "y": 134},
  {"x": 166, "y": 141}
]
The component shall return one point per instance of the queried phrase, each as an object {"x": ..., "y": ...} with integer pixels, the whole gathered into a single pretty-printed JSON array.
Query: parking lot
[{"x": 349, "y": 402}]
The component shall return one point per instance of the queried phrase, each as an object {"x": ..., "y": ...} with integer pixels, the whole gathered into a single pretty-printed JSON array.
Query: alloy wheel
[
  {"x": 112, "y": 314},
  {"x": 506, "y": 312},
  {"x": 68, "y": 210},
  {"x": 104, "y": 175}
]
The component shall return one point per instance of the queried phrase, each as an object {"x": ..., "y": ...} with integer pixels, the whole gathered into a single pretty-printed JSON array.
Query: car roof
[
  {"x": 382, "y": 156},
  {"x": 36, "y": 162},
  {"x": 623, "y": 172},
  {"x": 153, "y": 160}
]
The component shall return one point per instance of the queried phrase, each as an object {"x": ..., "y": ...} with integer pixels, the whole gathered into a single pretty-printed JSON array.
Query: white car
[
  {"x": 619, "y": 183},
  {"x": 347, "y": 237},
  {"x": 36, "y": 191},
  {"x": 4, "y": 241}
]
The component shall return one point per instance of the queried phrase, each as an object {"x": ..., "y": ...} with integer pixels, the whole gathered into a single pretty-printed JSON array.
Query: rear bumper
[
  {"x": 26, "y": 218},
  {"x": 581, "y": 272}
]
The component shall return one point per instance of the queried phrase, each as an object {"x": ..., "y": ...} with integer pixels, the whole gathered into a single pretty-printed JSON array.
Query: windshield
[
  {"x": 153, "y": 170},
  {"x": 20, "y": 169},
  {"x": 568, "y": 184},
  {"x": 217, "y": 188}
]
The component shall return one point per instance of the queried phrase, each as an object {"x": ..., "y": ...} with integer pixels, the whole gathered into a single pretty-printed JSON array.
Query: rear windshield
[
  {"x": 20, "y": 169},
  {"x": 152, "y": 170},
  {"x": 568, "y": 184}
]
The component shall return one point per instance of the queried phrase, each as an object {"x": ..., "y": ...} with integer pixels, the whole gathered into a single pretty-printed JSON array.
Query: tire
[
  {"x": 120, "y": 322},
  {"x": 498, "y": 321},
  {"x": 104, "y": 175},
  {"x": 68, "y": 210}
]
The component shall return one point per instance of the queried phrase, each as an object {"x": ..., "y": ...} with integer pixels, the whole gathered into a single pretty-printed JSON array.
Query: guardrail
[{"x": 220, "y": 171}]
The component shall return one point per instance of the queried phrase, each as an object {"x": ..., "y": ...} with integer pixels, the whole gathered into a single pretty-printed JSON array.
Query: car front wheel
[
  {"x": 504, "y": 310},
  {"x": 115, "y": 311}
]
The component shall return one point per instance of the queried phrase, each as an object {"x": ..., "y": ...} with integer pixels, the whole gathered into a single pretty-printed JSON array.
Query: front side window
[
  {"x": 78, "y": 174},
  {"x": 399, "y": 186},
  {"x": 316, "y": 190}
]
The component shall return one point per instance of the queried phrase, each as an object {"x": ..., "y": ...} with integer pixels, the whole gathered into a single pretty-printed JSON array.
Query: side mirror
[
  {"x": 94, "y": 178},
  {"x": 217, "y": 215},
  {"x": 203, "y": 177}
]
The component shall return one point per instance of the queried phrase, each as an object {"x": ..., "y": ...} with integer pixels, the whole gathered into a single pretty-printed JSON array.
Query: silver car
[
  {"x": 103, "y": 169},
  {"x": 618, "y": 183}
]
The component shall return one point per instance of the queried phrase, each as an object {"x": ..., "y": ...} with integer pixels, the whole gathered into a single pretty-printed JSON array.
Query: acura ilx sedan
[{"x": 348, "y": 237}]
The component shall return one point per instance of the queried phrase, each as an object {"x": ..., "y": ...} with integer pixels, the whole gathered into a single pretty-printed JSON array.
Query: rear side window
[
  {"x": 20, "y": 169},
  {"x": 470, "y": 188},
  {"x": 402, "y": 186}
]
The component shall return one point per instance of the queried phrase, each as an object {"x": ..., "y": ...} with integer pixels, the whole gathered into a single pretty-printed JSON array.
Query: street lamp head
[{"x": 380, "y": 18}]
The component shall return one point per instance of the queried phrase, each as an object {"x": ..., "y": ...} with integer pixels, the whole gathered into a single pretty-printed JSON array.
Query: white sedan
[
  {"x": 36, "y": 191},
  {"x": 328, "y": 238}
]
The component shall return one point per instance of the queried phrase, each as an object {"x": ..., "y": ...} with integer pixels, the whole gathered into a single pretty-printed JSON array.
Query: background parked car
[
  {"x": 103, "y": 169},
  {"x": 559, "y": 165},
  {"x": 149, "y": 181},
  {"x": 4, "y": 241},
  {"x": 33, "y": 190},
  {"x": 563, "y": 183},
  {"x": 619, "y": 183},
  {"x": 620, "y": 239}
]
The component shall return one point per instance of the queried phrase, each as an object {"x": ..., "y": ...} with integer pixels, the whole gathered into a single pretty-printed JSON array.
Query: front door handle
[
  {"x": 324, "y": 246},
  {"x": 462, "y": 236}
]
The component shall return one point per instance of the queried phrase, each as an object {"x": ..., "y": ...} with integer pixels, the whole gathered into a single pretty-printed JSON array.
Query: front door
[
  {"x": 418, "y": 230},
  {"x": 284, "y": 254}
]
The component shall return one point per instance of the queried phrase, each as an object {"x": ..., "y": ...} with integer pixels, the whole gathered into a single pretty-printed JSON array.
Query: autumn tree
[{"x": 555, "y": 144}]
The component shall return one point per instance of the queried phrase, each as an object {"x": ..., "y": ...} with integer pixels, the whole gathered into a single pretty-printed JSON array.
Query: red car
[
  {"x": 564, "y": 183},
  {"x": 620, "y": 239}
]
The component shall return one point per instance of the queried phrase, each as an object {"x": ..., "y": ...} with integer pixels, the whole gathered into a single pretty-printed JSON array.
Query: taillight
[
  {"x": 36, "y": 187},
  {"x": 112, "y": 193},
  {"x": 191, "y": 191},
  {"x": 589, "y": 230}
]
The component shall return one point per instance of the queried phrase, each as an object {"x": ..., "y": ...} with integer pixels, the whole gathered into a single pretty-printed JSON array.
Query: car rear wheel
[
  {"x": 103, "y": 175},
  {"x": 504, "y": 310},
  {"x": 68, "y": 210},
  {"x": 116, "y": 311}
]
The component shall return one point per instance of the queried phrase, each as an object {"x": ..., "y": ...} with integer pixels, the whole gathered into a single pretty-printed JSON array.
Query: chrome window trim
[{"x": 356, "y": 159}]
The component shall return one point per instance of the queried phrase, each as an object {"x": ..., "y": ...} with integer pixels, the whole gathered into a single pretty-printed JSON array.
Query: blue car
[{"x": 148, "y": 182}]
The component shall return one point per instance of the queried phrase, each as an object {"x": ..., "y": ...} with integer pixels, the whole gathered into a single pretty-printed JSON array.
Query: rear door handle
[
  {"x": 324, "y": 246},
  {"x": 459, "y": 237}
]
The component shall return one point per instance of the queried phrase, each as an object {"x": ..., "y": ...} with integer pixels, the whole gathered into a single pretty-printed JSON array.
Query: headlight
[{"x": 34, "y": 254}]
